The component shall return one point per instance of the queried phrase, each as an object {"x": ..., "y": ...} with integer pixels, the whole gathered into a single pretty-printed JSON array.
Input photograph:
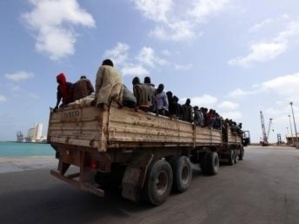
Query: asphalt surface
[{"x": 261, "y": 189}]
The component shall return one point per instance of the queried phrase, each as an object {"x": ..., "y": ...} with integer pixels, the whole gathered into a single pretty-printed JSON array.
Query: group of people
[
  {"x": 145, "y": 97},
  {"x": 68, "y": 92}
]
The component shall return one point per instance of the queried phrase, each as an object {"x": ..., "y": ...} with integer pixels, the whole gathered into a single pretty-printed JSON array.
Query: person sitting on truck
[
  {"x": 108, "y": 86},
  {"x": 129, "y": 100},
  {"x": 205, "y": 113},
  {"x": 161, "y": 101},
  {"x": 198, "y": 116},
  {"x": 64, "y": 91},
  {"x": 187, "y": 111},
  {"x": 151, "y": 92},
  {"x": 141, "y": 94},
  {"x": 217, "y": 122},
  {"x": 179, "y": 110},
  {"x": 82, "y": 88},
  {"x": 211, "y": 117},
  {"x": 172, "y": 108}
]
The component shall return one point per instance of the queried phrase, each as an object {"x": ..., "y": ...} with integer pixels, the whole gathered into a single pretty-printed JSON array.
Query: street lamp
[
  {"x": 291, "y": 129},
  {"x": 291, "y": 103}
]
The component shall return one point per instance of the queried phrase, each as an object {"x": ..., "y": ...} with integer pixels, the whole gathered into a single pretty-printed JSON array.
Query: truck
[{"x": 142, "y": 154}]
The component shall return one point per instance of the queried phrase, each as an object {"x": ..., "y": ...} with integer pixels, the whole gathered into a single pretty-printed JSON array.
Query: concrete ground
[{"x": 262, "y": 189}]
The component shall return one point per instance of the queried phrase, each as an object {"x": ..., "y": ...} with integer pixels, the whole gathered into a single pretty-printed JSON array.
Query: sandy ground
[{"x": 8, "y": 165}]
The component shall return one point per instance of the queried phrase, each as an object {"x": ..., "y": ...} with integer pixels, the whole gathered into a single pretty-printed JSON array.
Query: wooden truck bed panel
[
  {"x": 125, "y": 128},
  {"x": 233, "y": 138}
]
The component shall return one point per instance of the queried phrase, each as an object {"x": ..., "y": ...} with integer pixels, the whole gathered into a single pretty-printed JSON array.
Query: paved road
[{"x": 262, "y": 189}]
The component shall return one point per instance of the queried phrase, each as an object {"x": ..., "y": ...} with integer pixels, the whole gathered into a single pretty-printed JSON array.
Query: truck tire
[
  {"x": 241, "y": 155},
  {"x": 158, "y": 182},
  {"x": 212, "y": 163},
  {"x": 231, "y": 157},
  {"x": 182, "y": 173},
  {"x": 236, "y": 157}
]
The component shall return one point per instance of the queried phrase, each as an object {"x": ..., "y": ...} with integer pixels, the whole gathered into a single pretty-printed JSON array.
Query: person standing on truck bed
[
  {"x": 151, "y": 92},
  {"x": 161, "y": 100},
  {"x": 187, "y": 111},
  {"x": 64, "y": 91},
  {"x": 82, "y": 88},
  {"x": 108, "y": 86}
]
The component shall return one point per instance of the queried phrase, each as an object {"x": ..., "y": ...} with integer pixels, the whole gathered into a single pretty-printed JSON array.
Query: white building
[
  {"x": 38, "y": 131},
  {"x": 35, "y": 134}
]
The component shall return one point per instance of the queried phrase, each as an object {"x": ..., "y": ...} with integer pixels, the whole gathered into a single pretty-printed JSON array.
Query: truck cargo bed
[{"x": 126, "y": 128}]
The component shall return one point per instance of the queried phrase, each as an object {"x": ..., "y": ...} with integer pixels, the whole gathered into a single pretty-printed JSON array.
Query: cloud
[
  {"x": 238, "y": 93},
  {"x": 33, "y": 95},
  {"x": 166, "y": 52},
  {"x": 203, "y": 101},
  {"x": 53, "y": 24},
  {"x": 260, "y": 25},
  {"x": 147, "y": 57},
  {"x": 19, "y": 76},
  {"x": 265, "y": 51},
  {"x": 286, "y": 85},
  {"x": 206, "y": 8},
  {"x": 227, "y": 105},
  {"x": 2, "y": 99},
  {"x": 155, "y": 10},
  {"x": 234, "y": 115},
  {"x": 135, "y": 66},
  {"x": 260, "y": 52},
  {"x": 178, "y": 20},
  {"x": 134, "y": 70},
  {"x": 183, "y": 67},
  {"x": 176, "y": 31},
  {"x": 118, "y": 54}
]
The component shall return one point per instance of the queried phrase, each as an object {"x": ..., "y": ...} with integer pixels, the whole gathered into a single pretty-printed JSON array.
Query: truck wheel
[
  {"x": 182, "y": 173},
  {"x": 241, "y": 156},
  {"x": 212, "y": 163},
  {"x": 158, "y": 182},
  {"x": 231, "y": 158},
  {"x": 236, "y": 157}
]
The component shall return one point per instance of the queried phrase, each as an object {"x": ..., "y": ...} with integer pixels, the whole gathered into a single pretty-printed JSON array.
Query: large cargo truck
[{"x": 143, "y": 154}]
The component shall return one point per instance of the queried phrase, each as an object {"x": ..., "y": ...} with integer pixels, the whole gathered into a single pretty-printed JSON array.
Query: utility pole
[
  {"x": 291, "y": 129},
  {"x": 291, "y": 103},
  {"x": 269, "y": 127},
  {"x": 265, "y": 138}
]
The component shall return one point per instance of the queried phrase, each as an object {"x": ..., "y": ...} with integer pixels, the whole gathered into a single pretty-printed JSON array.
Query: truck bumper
[{"x": 81, "y": 185}]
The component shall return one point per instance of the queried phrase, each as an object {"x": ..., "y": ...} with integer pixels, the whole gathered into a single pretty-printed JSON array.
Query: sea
[{"x": 20, "y": 149}]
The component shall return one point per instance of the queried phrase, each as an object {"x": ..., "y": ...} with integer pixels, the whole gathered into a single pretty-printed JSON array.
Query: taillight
[{"x": 94, "y": 164}]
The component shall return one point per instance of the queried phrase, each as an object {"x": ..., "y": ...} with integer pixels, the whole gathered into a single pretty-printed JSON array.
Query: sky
[{"x": 238, "y": 57}]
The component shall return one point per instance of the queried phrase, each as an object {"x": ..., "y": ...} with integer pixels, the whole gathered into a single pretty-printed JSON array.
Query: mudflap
[{"x": 134, "y": 176}]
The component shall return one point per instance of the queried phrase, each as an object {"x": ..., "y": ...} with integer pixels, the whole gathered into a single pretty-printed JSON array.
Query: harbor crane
[
  {"x": 269, "y": 128},
  {"x": 264, "y": 141}
]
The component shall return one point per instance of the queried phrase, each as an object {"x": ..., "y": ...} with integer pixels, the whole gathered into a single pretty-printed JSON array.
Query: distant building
[
  {"x": 20, "y": 136},
  {"x": 291, "y": 139},
  {"x": 35, "y": 134}
]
